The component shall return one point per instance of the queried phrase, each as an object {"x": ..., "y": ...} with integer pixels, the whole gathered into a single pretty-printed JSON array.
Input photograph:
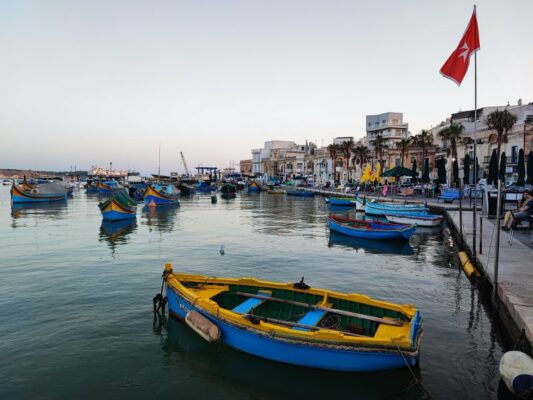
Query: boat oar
[
  {"x": 393, "y": 322},
  {"x": 253, "y": 317}
]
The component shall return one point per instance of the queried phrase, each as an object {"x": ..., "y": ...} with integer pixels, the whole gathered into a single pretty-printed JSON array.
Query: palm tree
[
  {"x": 361, "y": 155},
  {"x": 334, "y": 150},
  {"x": 452, "y": 135},
  {"x": 502, "y": 122},
  {"x": 346, "y": 150},
  {"x": 379, "y": 144},
  {"x": 423, "y": 140},
  {"x": 403, "y": 145}
]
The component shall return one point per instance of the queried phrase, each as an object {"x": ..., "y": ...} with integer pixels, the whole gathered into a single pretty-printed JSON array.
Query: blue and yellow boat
[
  {"x": 296, "y": 324},
  {"x": 107, "y": 188},
  {"x": 120, "y": 206},
  {"x": 38, "y": 193},
  {"x": 254, "y": 187},
  {"x": 160, "y": 196},
  {"x": 300, "y": 192}
]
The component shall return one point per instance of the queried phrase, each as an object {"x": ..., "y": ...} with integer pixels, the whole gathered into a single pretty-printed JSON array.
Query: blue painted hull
[
  {"x": 107, "y": 192},
  {"x": 380, "y": 210},
  {"x": 378, "y": 234},
  {"x": 342, "y": 202},
  {"x": 300, "y": 193},
  {"x": 159, "y": 201},
  {"x": 114, "y": 215},
  {"x": 296, "y": 353},
  {"x": 253, "y": 189},
  {"x": 19, "y": 199}
]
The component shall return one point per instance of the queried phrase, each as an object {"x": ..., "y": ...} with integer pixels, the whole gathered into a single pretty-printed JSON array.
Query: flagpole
[{"x": 475, "y": 155}]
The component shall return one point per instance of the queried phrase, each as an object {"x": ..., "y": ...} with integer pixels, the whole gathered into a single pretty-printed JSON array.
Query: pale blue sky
[{"x": 88, "y": 82}]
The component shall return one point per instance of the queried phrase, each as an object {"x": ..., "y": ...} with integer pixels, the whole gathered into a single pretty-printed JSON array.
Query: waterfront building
[
  {"x": 389, "y": 125},
  {"x": 245, "y": 167}
]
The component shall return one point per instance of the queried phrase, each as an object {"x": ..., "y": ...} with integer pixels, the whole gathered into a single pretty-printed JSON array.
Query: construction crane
[{"x": 184, "y": 164}]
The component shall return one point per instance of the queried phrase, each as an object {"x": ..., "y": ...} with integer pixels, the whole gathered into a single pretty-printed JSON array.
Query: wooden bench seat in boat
[
  {"x": 248, "y": 305},
  {"x": 311, "y": 318}
]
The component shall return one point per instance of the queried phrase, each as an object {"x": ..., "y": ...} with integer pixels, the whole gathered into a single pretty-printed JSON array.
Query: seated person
[{"x": 525, "y": 212}]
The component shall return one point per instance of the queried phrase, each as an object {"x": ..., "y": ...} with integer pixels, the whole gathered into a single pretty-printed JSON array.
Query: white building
[{"x": 389, "y": 125}]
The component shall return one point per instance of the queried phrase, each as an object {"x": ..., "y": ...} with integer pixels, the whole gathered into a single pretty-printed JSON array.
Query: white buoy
[{"x": 516, "y": 370}]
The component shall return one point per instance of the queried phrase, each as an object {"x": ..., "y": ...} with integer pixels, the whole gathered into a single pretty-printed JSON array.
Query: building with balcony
[
  {"x": 389, "y": 125},
  {"x": 245, "y": 167}
]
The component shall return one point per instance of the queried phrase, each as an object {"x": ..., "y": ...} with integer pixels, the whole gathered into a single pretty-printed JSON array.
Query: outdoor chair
[{"x": 529, "y": 227}]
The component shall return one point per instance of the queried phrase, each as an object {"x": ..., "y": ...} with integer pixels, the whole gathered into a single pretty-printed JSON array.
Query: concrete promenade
[{"x": 515, "y": 276}]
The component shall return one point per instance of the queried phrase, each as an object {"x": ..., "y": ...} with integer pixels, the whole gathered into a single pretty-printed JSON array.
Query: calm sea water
[{"x": 76, "y": 302}]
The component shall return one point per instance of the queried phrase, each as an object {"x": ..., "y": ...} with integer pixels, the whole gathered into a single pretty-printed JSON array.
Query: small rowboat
[
  {"x": 340, "y": 201},
  {"x": 300, "y": 192},
  {"x": 120, "y": 206},
  {"x": 296, "y": 324},
  {"x": 276, "y": 191},
  {"x": 161, "y": 196},
  {"x": 380, "y": 209},
  {"x": 370, "y": 229},
  {"x": 418, "y": 219}
]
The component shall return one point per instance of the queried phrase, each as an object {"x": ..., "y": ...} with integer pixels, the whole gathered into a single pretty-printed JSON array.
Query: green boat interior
[{"x": 230, "y": 299}]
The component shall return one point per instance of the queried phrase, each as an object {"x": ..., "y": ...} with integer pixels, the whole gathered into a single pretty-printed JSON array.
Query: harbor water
[{"x": 76, "y": 316}]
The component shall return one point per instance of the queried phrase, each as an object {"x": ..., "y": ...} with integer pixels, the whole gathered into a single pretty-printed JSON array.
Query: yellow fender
[{"x": 468, "y": 267}]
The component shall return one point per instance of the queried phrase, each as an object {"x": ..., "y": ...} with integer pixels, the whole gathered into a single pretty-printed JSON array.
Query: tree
[
  {"x": 466, "y": 169},
  {"x": 361, "y": 155},
  {"x": 529, "y": 179},
  {"x": 423, "y": 140},
  {"x": 425, "y": 174},
  {"x": 521, "y": 169},
  {"x": 455, "y": 169},
  {"x": 452, "y": 134},
  {"x": 493, "y": 168},
  {"x": 413, "y": 168},
  {"x": 379, "y": 144},
  {"x": 346, "y": 151},
  {"x": 501, "y": 122},
  {"x": 403, "y": 145},
  {"x": 334, "y": 151}
]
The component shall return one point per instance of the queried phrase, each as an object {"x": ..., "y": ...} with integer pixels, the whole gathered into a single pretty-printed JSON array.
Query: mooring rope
[{"x": 418, "y": 382}]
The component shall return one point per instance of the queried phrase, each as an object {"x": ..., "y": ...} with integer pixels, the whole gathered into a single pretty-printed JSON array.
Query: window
[
  {"x": 514, "y": 154},
  {"x": 383, "y": 121},
  {"x": 370, "y": 124},
  {"x": 397, "y": 162},
  {"x": 395, "y": 121}
]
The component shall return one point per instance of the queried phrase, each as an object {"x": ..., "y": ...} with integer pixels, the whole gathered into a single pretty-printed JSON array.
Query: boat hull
[
  {"x": 26, "y": 196},
  {"x": 335, "y": 201},
  {"x": 300, "y": 193},
  {"x": 112, "y": 210},
  {"x": 382, "y": 234},
  {"x": 427, "y": 221},
  {"x": 227, "y": 196},
  {"x": 380, "y": 210},
  {"x": 290, "y": 352},
  {"x": 159, "y": 199}
]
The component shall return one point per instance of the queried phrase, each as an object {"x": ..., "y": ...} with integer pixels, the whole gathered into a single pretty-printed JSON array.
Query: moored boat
[
  {"x": 276, "y": 191},
  {"x": 107, "y": 188},
  {"x": 204, "y": 187},
  {"x": 186, "y": 188},
  {"x": 370, "y": 229},
  {"x": 228, "y": 191},
  {"x": 380, "y": 209},
  {"x": 421, "y": 219},
  {"x": 334, "y": 331},
  {"x": 118, "y": 207},
  {"x": 161, "y": 195},
  {"x": 340, "y": 201},
  {"x": 300, "y": 192},
  {"x": 38, "y": 193},
  {"x": 254, "y": 187}
]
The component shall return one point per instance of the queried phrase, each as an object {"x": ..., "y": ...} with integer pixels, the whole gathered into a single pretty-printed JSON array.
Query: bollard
[{"x": 480, "y": 235}]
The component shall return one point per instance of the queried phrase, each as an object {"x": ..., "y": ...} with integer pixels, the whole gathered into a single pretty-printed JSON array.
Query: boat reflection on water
[
  {"x": 221, "y": 365},
  {"x": 160, "y": 218},
  {"x": 55, "y": 210},
  {"x": 116, "y": 233},
  {"x": 371, "y": 246}
]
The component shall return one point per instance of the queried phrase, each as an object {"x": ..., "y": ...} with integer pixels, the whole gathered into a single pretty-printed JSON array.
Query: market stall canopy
[{"x": 399, "y": 171}]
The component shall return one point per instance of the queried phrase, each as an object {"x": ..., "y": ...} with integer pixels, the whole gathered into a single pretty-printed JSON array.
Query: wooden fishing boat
[
  {"x": 420, "y": 219},
  {"x": 276, "y": 191},
  {"x": 186, "y": 189},
  {"x": 370, "y": 229},
  {"x": 380, "y": 209},
  {"x": 118, "y": 207},
  {"x": 254, "y": 187},
  {"x": 296, "y": 324},
  {"x": 340, "y": 201},
  {"x": 228, "y": 188},
  {"x": 107, "y": 188},
  {"x": 372, "y": 246},
  {"x": 204, "y": 187},
  {"x": 39, "y": 193},
  {"x": 159, "y": 195},
  {"x": 300, "y": 192}
]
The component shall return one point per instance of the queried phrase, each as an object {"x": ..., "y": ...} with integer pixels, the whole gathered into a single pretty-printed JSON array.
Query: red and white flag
[{"x": 456, "y": 65}]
